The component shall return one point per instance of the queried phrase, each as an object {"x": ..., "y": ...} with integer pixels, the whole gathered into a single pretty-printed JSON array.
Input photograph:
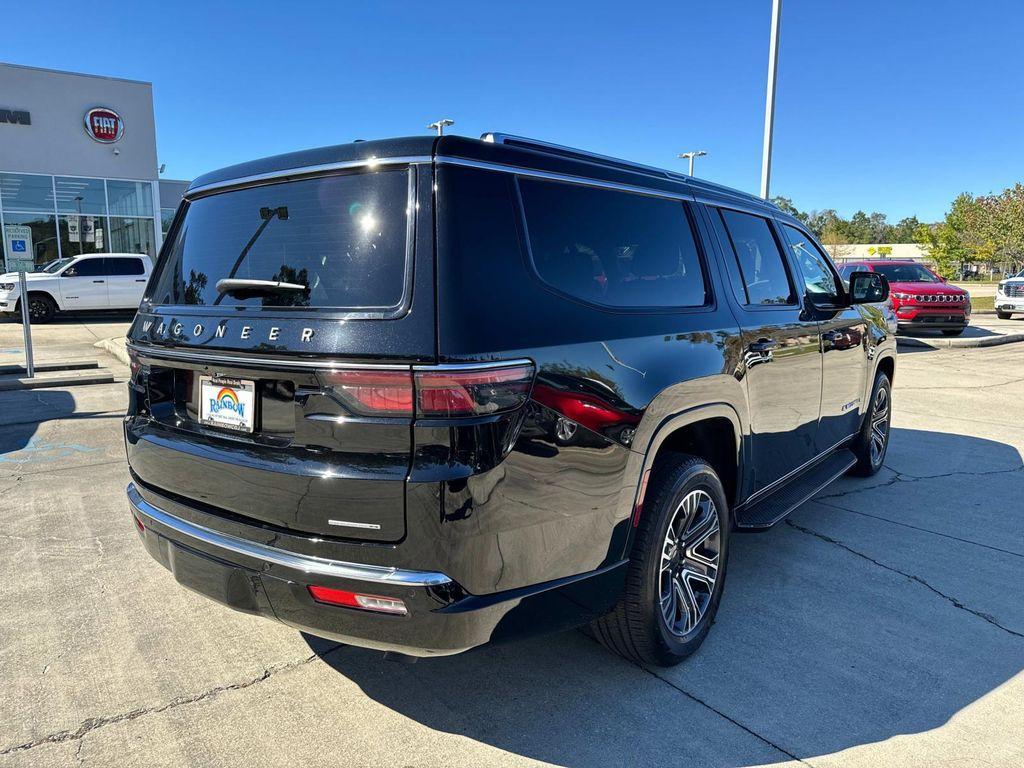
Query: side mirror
[
  {"x": 868, "y": 288},
  {"x": 943, "y": 279}
]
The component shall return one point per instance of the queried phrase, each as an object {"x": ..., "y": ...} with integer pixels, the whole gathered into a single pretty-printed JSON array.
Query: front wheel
[
  {"x": 952, "y": 331},
  {"x": 41, "y": 308},
  {"x": 872, "y": 441},
  {"x": 677, "y": 569},
  {"x": 1004, "y": 315}
]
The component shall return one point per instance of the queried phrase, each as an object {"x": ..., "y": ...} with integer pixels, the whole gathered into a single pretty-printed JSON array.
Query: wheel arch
[{"x": 712, "y": 432}]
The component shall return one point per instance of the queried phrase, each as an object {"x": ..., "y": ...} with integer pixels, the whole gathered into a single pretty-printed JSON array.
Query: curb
[
  {"x": 987, "y": 341},
  {"x": 114, "y": 347}
]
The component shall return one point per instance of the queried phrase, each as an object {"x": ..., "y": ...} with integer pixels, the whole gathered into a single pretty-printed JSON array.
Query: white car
[
  {"x": 1010, "y": 296},
  {"x": 94, "y": 282}
]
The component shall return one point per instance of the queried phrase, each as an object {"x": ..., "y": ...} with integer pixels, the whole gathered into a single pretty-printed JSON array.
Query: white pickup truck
[{"x": 95, "y": 282}]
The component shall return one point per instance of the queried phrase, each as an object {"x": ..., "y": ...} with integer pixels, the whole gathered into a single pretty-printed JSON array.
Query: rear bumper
[{"x": 442, "y": 618}]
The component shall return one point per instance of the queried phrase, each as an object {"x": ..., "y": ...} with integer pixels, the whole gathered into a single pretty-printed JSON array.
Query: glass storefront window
[
  {"x": 82, "y": 196},
  {"x": 166, "y": 217},
  {"x": 82, "y": 234},
  {"x": 26, "y": 192},
  {"x": 130, "y": 198},
  {"x": 44, "y": 235},
  {"x": 130, "y": 235}
]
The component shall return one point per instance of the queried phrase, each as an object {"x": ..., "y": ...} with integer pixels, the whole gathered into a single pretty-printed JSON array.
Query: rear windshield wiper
[{"x": 253, "y": 287}]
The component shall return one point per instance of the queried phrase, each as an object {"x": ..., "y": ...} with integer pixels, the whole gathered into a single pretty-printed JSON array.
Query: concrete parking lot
[{"x": 883, "y": 624}]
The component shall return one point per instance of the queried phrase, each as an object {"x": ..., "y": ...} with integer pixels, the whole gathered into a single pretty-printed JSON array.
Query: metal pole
[
  {"x": 691, "y": 163},
  {"x": 26, "y": 327},
  {"x": 769, "y": 107}
]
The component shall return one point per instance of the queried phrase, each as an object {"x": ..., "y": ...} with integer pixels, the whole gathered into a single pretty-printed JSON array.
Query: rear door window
[
  {"x": 117, "y": 267},
  {"x": 341, "y": 238},
  {"x": 613, "y": 248},
  {"x": 763, "y": 269}
]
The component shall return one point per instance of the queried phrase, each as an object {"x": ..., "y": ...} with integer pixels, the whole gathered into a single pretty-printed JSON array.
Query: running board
[{"x": 765, "y": 513}]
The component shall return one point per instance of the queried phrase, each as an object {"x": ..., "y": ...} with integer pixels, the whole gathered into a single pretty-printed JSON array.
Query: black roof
[{"x": 508, "y": 151}]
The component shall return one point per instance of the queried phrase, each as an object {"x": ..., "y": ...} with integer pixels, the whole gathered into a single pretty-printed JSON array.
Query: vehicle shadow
[
  {"x": 85, "y": 316},
  {"x": 815, "y": 650},
  {"x": 970, "y": 332},
  {"x": 22, "y": 412}
]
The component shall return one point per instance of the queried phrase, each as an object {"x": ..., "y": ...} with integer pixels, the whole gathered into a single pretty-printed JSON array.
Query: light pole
[
  {"x": 440, "y": 125},
  {"x": 769, "y": 107},
  {"x": 690, "y": 156}
]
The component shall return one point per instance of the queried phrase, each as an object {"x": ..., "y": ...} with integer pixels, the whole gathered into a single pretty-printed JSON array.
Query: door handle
[
  {"x": 140, "y": 281},
  {"x": 99, "y": 281},
  {"x": 763, "y": 345}
]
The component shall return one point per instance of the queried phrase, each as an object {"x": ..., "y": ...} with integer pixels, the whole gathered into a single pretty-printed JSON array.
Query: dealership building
[{"x": 78, "y": 167}]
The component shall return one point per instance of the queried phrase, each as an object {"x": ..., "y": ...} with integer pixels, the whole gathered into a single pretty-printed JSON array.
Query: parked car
[
  {"x": 353, "y": 369},
  {"x": 1010, "y": 296},
  {"x": 921, "y": 299},
  {"x": 101, "y": 281}
]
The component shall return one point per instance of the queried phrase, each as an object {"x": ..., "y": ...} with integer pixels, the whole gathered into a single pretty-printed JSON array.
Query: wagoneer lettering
[{"x": 423, "y": 394}]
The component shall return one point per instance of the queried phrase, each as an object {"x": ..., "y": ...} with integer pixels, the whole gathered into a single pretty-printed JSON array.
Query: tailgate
[{"x": 258, "y": 294}]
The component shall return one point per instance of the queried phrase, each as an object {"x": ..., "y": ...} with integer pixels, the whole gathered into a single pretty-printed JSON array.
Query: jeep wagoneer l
[{"x": 422, "y": 394}]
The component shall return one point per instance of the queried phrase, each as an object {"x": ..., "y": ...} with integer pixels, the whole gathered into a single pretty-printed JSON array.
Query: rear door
[
  {"x": 287, "y": 406},
  {"x": 781, "y": 353},
  {"x": 83, "y": 284},
  {"x": 126, "y": 281}
]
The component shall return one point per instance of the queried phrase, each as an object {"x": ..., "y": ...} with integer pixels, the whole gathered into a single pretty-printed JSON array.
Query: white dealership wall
[{"x": 55, "y": 141}]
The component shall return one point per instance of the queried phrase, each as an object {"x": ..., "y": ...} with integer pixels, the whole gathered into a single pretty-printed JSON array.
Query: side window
[
  {"x": 117, "y": 267},
  {"x": 88, "y": 268},
  {"x": 613, "y": 248},
  {"x": 761, "y": 264},
  {"x": 818, "y": 277}
]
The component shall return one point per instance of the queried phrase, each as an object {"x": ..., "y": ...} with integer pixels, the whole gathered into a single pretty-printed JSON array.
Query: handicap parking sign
[{"x": 18, "y": 245}]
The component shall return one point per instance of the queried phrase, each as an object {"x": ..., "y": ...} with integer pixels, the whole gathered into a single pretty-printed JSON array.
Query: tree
[{"x": 836, "y": 244}]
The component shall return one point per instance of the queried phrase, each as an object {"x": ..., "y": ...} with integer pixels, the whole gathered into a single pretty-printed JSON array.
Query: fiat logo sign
[{"x": 104, "y": 125}]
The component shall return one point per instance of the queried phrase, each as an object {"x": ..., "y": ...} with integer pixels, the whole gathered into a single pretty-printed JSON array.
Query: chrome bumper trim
[{"x": 313, "y": 565}]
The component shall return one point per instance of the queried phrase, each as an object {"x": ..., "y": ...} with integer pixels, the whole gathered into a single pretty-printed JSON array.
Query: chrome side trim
[
  {"x": 308, "y": 170},
  {"x": 305, "y": 563},
  {"x": 776, "y": 483}
]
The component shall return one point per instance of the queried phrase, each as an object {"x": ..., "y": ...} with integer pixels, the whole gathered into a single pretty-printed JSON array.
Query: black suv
[{"x": 420, "y": 394}]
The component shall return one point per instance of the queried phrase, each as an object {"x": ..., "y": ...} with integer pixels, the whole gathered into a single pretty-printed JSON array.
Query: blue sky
[{"x": 888, "y": 105}]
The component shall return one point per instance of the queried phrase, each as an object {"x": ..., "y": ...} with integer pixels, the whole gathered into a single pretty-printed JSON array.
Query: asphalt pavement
[{"x": 882, "y": 624}]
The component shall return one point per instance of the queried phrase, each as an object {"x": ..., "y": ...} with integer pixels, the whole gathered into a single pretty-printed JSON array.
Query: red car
[{"x": 921, "y": 299}]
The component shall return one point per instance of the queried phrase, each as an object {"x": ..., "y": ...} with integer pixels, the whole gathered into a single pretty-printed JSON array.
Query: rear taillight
[
  {"x": 431, "y": 392},
  {"x": 134, "y": 363},
  {"x": 449, "y": 393},
  {"x": 372, "y": 392},
  {"x": 358, "y": 600}
]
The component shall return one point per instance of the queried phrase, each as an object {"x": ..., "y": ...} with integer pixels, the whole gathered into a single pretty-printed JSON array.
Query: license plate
[{"x": 227, "y": 403}]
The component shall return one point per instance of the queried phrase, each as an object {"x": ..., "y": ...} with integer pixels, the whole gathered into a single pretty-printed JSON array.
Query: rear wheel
[
  {"x": 677, "y": 569},
  {"x": 1004, "y": 315},
  {"x": 873, "y": 440},
  {"x": 952, "y": 331}
]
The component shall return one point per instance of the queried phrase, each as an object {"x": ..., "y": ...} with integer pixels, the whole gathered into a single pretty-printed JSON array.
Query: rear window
[
  {"x": 613, "y": 248},
  {"x": 341, "y": 238}
]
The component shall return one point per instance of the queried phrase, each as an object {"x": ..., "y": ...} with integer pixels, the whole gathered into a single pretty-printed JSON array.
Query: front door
[
  {"x": 126, "y": 281},
  {"x": 83, "y": 284},
  {"x": 781, "y": 364},
  {"x": 842, "y": 328}
]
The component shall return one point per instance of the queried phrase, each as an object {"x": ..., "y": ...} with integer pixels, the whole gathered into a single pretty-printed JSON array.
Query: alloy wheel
[
  {"x": 879, "y": 425},
  {"x": 689, "y": 562},
  {"x": 38, "y": 309}
]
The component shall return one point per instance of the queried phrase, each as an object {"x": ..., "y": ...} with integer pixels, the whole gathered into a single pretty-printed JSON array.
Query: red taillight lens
[
  {"x": 138, "y": 524},
  {"x": 431, "y": 393},
  {"x": 443, "y": 394},
  {"x": 363, "y": 602},
  {"x": 373, "y": 393},
  {"x": 134, "y": 364}
]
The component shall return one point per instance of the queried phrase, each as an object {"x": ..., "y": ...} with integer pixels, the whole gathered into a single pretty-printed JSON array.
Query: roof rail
[
  {"x": 614, "y": 162},
  {"x": 580, "y": 154}
]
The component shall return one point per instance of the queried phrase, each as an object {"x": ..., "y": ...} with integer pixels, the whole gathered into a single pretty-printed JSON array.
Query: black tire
[
  {"x": 637, "y": 628},
  {"x": 952, "y": 331},
  {"x": 871, "y": 457},
  {"x": 1004, "y": 315},
  {"x": 41, "y": 308}
]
